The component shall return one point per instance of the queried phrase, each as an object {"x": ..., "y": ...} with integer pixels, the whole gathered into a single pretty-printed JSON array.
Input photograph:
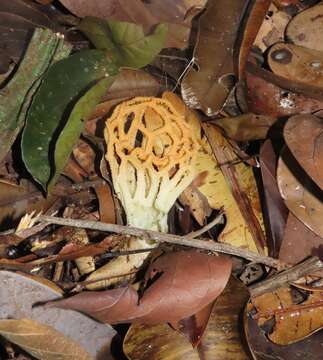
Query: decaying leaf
[
  {"x": 275, "y": 211},
  {"x": 246, "y": 127},
  {"x": 272, "y": 29},
  {"x": 265, "y": 97},
  {"x": 301, "y": 195},
  {"x": 176, "y": 294},
  {"x": 41, "y": 341},
  {"x": 18, "y": 295},
  {"x": 294, "y": 319},
  {"x": 18, "y": 20},
  {"x": 254, "y": 16},
  {"x": 304, "y": 137},
  {"x": 299, "y": 242},
  {"x": 262, "y": 348},
  {"x": 208, "y": 86},
  {"x": 237, "y": 191},
  {"x": 177, "y": 14},
  {"x": 222, "y": 338},
  {"x": 305, "y": 29},
  {"x": 297, "y": 63}
]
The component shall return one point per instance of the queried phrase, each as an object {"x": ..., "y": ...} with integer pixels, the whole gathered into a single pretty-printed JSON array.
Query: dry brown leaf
[
  {"x": 301, "y": 196},
  {"x": 297, "y": 63},
  {"x": 299, "y": 242},
  {"x": 305, "y": 29},
  {"x": 246, "y": 127},
  {"x": 18, "y": 295},
  {"x": 177, "y": 14},
  {"x": 231, "y": 184},
  {"x": 267, "y": 98},
  {"x": 272, "y": 29},
  {"x": 304, "y": 137},
  {"x": 262, "y": 348},
  {"x": 41, "y": 341},
  {"x": 222, "y": 338},
  {"x": 207, "y": 87},
  {"x": 106, "y": 203},
  {"x": 176, "y": 294},
  {"x": 294, "y": 319},
  {"x": 252, "y": 20}
]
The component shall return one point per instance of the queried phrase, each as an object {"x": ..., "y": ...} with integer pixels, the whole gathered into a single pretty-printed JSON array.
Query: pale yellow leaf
[{"x": 41, "y": 341}]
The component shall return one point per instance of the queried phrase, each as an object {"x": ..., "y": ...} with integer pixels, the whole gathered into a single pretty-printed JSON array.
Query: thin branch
[
  {"x": 306, "y": 267},
  {"x": 205, "y": 244},
  {"x": 217, "y": 220}
]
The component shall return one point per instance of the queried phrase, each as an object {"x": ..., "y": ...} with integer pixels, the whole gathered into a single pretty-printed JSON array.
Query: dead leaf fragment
[
  {"x": 41, "y": 341},
  {"x": 301, "y": 196},
  {"x": 305, "y": 29},
  {"x": 304, "y": 137},
  {"x": 297, "y": 63},
  {"x": 293, "y": 320},
  {"x": 299, "y": 242},
  {"x": 207, "y": 87}
]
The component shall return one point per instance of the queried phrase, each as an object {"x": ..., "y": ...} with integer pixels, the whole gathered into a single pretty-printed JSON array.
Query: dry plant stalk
[{"x": 151, "y": 149}]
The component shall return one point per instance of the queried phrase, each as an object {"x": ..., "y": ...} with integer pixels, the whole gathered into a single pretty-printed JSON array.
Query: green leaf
[
  {"x": 75, "y": 124},
  {"x": 44, "y": 48},
  {"x": 63, "y": 85},
  {"x": 126, "y": 42}
]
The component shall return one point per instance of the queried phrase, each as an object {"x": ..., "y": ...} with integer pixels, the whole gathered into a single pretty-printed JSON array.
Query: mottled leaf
[
  {"x": 295, "y": 318},
  {"x": 60, "y": 90},
  {"x": 44, "y": 48}
]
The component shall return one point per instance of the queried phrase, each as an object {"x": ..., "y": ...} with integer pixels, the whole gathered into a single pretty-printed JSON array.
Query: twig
[
  {"x": 306, "y": 267},
  {"x": 217, "y": 220},
  {"x": 205, "y": 244}
]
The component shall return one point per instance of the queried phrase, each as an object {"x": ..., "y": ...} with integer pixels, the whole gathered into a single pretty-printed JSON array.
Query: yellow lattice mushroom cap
[{"x": 151, "y": 149}]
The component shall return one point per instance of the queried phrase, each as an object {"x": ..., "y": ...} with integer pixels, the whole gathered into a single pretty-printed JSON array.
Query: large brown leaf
[
  {"x": 207, "y": 87},
  {"x": 299, "y": 242},
  {"x": 302, "y": 197},
  {"x": 305, "y": 29},
  {"x": 222, "y": 338},
  {"x": 175, "y": 295},
  {"x": 304, "y": 137},
  {"x": 20, "y": 292},
  {"x": 178, "y": 14},
  {"x": 294, "y": 318},
  {"x": 297, "y": 63}
]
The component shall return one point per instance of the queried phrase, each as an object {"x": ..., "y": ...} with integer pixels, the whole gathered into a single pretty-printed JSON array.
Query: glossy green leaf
[
  {"x": 125, "y": 41},
  {"x": 62, "y": 86},
  {"x": 44, "y": 48},
  {"x": 75, "y": 124}
]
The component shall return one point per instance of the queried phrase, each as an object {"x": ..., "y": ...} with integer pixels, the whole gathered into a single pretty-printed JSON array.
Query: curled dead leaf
[{"x": 176, "y": 294}]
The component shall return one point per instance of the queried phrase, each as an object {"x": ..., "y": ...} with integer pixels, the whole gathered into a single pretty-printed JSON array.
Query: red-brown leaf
[{"x": 188, "y": 281}]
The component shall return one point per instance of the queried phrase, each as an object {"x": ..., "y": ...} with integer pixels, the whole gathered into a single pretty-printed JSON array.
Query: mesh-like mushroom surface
[{"x": 151, "y": 150}]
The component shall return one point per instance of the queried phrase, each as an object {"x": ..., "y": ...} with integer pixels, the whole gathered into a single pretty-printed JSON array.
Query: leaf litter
[{"x": 146, "y": 175}]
